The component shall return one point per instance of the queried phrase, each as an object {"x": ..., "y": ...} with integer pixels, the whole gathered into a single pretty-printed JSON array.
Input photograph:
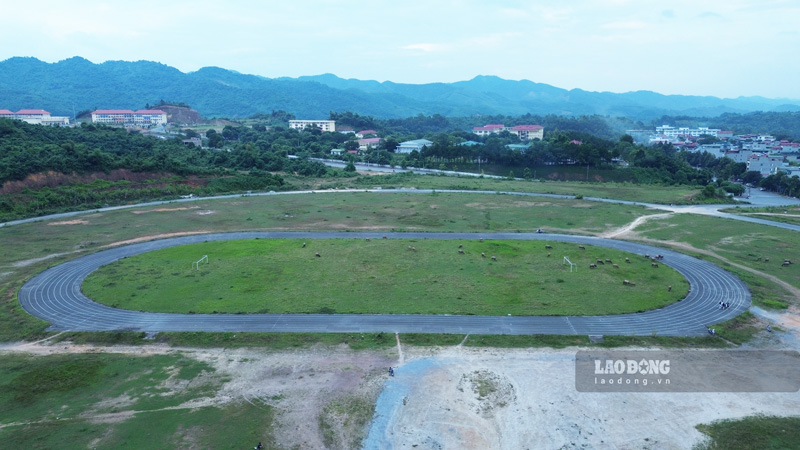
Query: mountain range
[{"x": 76, "y": 84}]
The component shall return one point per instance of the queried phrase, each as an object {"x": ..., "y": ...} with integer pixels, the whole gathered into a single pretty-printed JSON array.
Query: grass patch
[
  {"x": 68, "y": 386},
  {"x": 393, "y": 276},
  {"x": 740, "y": 329},
  {"x": 236, "y": 426},
  {"x": 752, "y": 433},
  {"x": 349, "y": 416},
  {"x": 773, "y": 304}
]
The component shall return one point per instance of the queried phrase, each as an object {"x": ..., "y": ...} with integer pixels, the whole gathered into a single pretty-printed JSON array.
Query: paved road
[{"x": 55, "y": 296}]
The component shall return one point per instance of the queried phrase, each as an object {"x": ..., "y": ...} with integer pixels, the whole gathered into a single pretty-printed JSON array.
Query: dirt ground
[{"x": 461, "y": 397}]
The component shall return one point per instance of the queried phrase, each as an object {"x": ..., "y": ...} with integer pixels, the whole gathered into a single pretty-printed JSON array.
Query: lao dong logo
[
  {"x": 631, "y": 372},
  {"x": 631, "y": 367}
]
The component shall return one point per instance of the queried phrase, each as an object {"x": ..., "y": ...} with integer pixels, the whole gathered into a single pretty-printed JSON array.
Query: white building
[
  {"x": 528, "y": 132},
  {"x": 324, "y": 125},
  {"x": 35, "y": 117},
  {"x": 525, "y": 132},
  {"x": 144, "y": 118},
  {"x": 489, "y": 129},
  {"x": 410, "y": 146},
  {"x": 672, "y": 132}
]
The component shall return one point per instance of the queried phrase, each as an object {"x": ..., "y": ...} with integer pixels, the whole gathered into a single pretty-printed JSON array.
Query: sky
[{"x": 721, "y": 48}]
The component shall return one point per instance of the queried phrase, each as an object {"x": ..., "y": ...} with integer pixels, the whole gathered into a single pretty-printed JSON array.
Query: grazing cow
[
  {"x": 582, "y": 247},
  {"x": 627, "y": 260},
  {"x": 599, "y": 261},
  {"x": 368, "y": 239},
  {"x": 766, "y": 259},
  {"x": 494, "y": 258},
  {"x": 592, "y": 266},
  {"x": 460, "y": 245},
  {"x": 654, "y": 264},
  {"x": 608, "y": 261},
  {"x": 483, "y": 255},
  {"x": 626, "y": 282},
  {"x": 631, "y": 284},
  {"x": 548, "y": 254},
  {"x": 304, "y": 245},
  {"x": 785, "y": 264},
  {"x": 317, "y": 255},
  {"x": 548, "y": 247},
  {"x": 615, "y": 266},
  {"x": 647, "y": 255},
  {"x": 384, "y": 236},
  {"x": 669, "y": 288},
  {"x": 460, "y": 252}
]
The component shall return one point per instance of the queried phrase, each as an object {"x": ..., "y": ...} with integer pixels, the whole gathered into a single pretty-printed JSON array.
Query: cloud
[
  {"x": 710, "y": 15},
  {"x": 626, "y": 25},
  {"x": 668, "y": 13},
  {"x": 425, "y": 47}
]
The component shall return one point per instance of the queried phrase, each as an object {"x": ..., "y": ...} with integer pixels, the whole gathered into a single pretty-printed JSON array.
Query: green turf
[
  {"x": 752, "y": 433},
  {"x": 66, "y": 386},
  {"x": 392, "y": 276}
]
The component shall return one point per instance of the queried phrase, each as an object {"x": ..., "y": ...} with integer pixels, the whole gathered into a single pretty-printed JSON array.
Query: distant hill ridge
[{"x": 77, "y": 84}]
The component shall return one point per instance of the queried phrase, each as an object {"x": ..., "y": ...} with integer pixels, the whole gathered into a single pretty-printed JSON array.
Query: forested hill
[{"x": 77, "y": 84}]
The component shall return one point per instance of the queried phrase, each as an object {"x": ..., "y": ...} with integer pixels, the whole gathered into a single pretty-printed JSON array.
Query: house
[
  {"x": 724, "y": 135},
  {"x": 345, "y": 130},
  {"x": 324, "y": 125},
  {"x": 522, "y": 148},
  {"x": 337, "y": 151},
  {"x": 144, "y": 118},
  {"x": 195, "y": 141},
  {"x": 764, "y": 164},
  {"x": 410, "y": 146},
  {"x": 739, "y": 156},
  {"x": 489, "y": 129},
  {"x": 470, "y": 143},
  {"x": 525, "y": 132},
  {"x": 368, "y": 143},
  {"x": 364, "y": 133}
]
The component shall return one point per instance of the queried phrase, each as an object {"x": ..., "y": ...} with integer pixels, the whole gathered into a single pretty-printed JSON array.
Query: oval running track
[{"x": 55, "y": 296}]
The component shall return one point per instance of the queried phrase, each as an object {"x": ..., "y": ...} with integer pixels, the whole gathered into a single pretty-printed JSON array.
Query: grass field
[
  {"x": 54, "y": 402},
  {"x": 785, "y": 214},
  {"x": 753, "y": 433},
  {"x": 385, "y": 276},
  {"x": 29, "y": 248},
  {"x": 743, "y": 243}
]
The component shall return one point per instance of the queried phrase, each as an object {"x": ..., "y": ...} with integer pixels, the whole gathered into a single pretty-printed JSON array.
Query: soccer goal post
[
  {"x": 572, "y": 265},
  {"x": 196, "y": 264}
]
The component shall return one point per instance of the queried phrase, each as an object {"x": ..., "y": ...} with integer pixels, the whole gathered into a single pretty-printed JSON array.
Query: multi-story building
[
  {"x": 674, "y": 133},
  {"x": 324, "y": 125},
  {"x": 35, "y": 117},
  {"x": 528, "y": 132},
  {"x": 489, "y": 129},
  {"x": 144, "y": 118},
  {"x": 525, "y": 132}
]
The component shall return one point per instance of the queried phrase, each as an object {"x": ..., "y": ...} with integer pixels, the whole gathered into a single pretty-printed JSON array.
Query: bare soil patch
[
  {"x": 179, "y": 208},
  {"x": 69, "y": 222},
  {"x": 154, "y": 237},
  {"x": 536, "y": 405}
]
